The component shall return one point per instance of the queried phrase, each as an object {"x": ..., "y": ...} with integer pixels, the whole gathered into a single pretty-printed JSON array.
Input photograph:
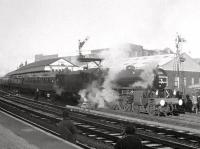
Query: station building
[
  {"x": 44, "y": 68},
  {"x": 180, "y": 75}
]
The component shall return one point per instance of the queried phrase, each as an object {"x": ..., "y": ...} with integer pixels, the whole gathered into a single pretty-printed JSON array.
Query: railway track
[
  {"x": 108, "y": 130},
  {"x": 153, "y": 135},
  {"x": 38, "y": 118}
]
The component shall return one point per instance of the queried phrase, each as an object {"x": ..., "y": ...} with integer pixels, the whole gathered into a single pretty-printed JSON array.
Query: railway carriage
[
  {"x": 29, "y": 84},
  {"x": 43, "y": 83}
]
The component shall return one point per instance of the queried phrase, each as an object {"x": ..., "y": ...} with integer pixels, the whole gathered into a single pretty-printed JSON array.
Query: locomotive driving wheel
[{"x": 152, "y": 110}]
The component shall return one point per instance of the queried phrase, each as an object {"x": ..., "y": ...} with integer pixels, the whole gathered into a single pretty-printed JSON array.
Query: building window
[
  {"x": 176, "y": 82},
  {"x": 185, "y": 81},
  {"x": 192, "y": 81}
]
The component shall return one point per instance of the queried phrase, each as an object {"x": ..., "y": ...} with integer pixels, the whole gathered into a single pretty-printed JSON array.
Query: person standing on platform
[
  {"x": 130, "y": 139},
  {"x": 37, "y": 92},
  {"x": 194, "y": 104},
  {"x": 48, "y": 97},
  {"x": 67, "y": 129},
  {"x": 188, "y": 103},
  {"x": 198, "y": 103}
]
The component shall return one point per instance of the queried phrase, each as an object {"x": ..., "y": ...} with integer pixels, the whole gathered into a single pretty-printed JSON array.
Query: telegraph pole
[
  {"x": 82, "y": 58},
  {"x": 178, "y": 63},
  {"x": 81, "y": 44}
]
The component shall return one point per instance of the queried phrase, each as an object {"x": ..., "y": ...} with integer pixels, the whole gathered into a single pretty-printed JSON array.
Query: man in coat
[
  {"x": 130, "y": 139},
  {"x": 66, "y": 128}
]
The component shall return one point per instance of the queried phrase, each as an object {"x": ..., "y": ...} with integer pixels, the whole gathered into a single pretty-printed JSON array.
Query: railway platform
[
  {"x": 121, "y": 116},
  {"x": 17, "y": 134}
]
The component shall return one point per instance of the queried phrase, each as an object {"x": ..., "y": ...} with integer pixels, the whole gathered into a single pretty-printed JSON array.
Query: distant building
[
  {"x": 40, "y": 57},
  {"x": 157, "y": 52},
  {"x": 134, "y": 51}
]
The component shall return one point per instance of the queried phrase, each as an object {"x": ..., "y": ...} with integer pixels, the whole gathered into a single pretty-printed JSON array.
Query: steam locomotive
[
  {"x": 154, "y": 99},
  {"x": 66, "y": 86}
]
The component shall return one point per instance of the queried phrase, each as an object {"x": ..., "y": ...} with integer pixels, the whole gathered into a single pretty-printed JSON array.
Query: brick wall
[{"x": 189, "y": 76}]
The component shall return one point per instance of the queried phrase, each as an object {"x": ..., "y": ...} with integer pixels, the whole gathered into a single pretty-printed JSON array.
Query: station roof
[
  {"x": 140, "y": 62},
  {"x": 165, "y": 61},
  {"x": 38, "y": 66}
]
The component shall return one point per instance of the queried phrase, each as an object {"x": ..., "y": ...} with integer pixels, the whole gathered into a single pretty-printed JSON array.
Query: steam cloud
[
  {"x": 113, "y": 59},
  {"x": 147, "y": 76}
]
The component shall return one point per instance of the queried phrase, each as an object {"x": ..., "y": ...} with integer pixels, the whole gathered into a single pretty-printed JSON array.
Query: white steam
[
  {"x": 147, "y": 76},
  {"x": 113, "y": 59}
]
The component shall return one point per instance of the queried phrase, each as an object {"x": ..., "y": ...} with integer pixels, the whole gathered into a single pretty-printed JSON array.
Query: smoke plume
[
  {"x": 113, "y": 59},
  {"x": 147, "y": 76}
]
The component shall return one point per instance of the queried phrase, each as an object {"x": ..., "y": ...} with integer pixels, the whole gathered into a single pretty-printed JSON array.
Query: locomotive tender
[{"x": 66, "y": 86}]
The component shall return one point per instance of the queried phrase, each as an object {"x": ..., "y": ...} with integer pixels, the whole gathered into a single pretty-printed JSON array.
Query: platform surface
[{"x": 16, "y": 134}]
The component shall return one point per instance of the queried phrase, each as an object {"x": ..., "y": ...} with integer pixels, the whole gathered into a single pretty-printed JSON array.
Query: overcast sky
[{"x": 29, "y": 27}]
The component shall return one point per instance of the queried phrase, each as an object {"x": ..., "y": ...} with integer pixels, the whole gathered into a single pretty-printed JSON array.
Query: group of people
[
  {"x": 192, "y": 104},
  {"x": 37, "y": 94},
  {"x": 129, "y": 140}
]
